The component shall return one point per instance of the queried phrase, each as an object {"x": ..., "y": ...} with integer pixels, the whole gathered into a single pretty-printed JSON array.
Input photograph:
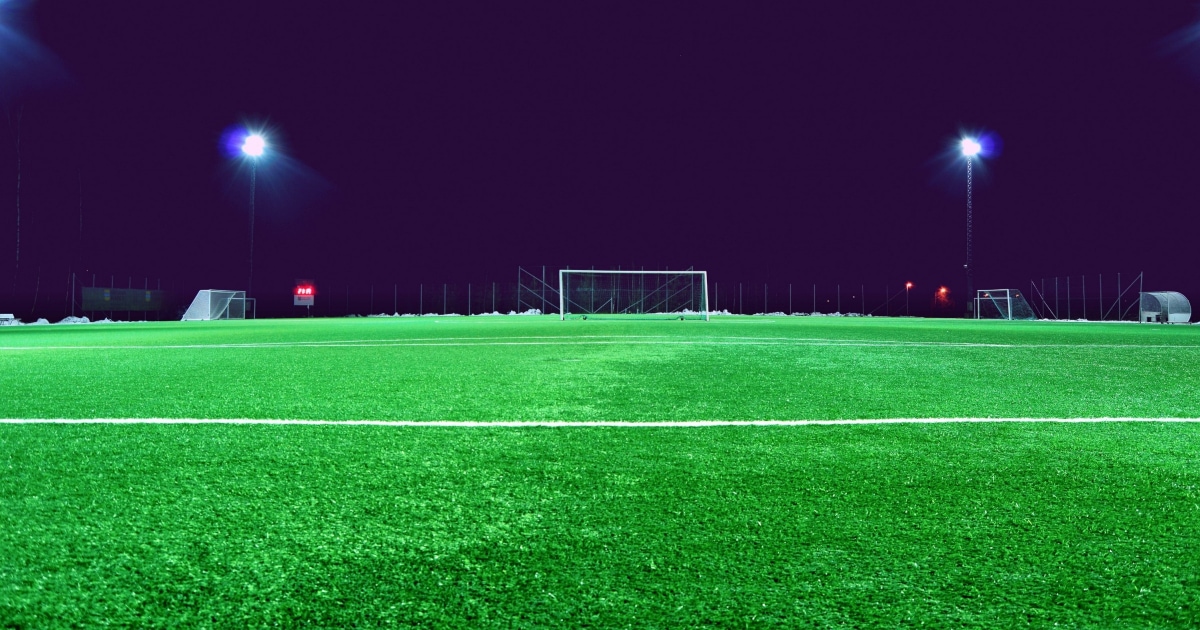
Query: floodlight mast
[
  {"x": 254, "y": 146},
  {"x": 970, "y": 149}
]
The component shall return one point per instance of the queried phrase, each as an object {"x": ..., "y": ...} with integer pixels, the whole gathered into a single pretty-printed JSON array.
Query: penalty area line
[{"x": 580, "y": 423}]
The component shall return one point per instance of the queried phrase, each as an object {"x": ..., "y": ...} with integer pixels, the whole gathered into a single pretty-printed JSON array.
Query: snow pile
[{"x": 71, "y": 319}]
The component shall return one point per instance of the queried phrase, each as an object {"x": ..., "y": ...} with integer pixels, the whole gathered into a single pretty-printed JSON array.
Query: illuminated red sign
[{"x": 303, "y": 293}]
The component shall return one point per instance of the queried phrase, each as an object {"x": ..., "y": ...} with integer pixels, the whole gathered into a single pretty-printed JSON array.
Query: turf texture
[
  {"x": 948, "y": 525},
  {"x": 515, "y": 368}
]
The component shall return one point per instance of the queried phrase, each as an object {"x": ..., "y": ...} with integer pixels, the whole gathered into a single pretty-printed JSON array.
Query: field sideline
[
  {"x": 480, "y": 424},
  {"x": 521, "y": 471}
]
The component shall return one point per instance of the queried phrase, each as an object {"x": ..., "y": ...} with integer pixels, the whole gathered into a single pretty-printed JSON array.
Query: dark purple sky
[{"x": 443, "y": 142}]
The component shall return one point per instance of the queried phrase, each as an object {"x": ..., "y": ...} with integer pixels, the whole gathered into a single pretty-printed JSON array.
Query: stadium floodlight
[
  {"x": 971, "y": 150},
  {"x": 253, "y": 146},
  {"x": 633, "y": 294},
  {"x": 907, "y": 288}
]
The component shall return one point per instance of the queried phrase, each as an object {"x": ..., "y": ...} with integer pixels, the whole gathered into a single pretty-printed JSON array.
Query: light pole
[
  {"x": 253, "y": 147},
  {"x": 970, "y": 150},
  {"x": 907, "y": 287}
]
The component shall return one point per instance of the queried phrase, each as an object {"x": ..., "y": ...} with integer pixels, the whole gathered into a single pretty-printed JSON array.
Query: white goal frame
[
  {"x": 563, "y": 273},
  {"x": 210, "y": 304},
  {"x": 1001, "y": 299}
]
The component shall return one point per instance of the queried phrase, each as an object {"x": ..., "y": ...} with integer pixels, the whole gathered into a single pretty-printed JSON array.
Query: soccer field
[{"x": 948, "y": 524}]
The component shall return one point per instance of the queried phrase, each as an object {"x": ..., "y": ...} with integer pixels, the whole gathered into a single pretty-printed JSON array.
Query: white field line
[
  {"x": 596, "y": 340},
  {"x": 581, "y": 423}
]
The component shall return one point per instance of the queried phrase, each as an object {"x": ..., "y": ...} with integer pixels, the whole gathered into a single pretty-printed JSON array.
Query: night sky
[{"x": 777, "y": 143}]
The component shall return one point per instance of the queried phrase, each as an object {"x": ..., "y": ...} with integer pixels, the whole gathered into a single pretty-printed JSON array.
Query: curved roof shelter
[{"x": 1165, "y": 307}]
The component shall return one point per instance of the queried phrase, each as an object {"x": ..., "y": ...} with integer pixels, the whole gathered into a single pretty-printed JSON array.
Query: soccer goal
[
  {"x": 1002, "y": 304},
  {"x": 633, "y": 294},
  {"x": 217, "y": 304}
]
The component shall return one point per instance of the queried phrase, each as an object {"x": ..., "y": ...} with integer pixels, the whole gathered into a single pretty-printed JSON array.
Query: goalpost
[
  {"x": 217, "y": 304},
  {"x": 1001, "y": 304},
  {"x": 632, "y": 294}
]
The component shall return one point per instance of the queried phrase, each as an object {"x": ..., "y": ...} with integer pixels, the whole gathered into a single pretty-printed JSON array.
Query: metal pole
[
  {"x": 839, "y": 295},
  {"x": 1141, "y": 275},
  {"x": 468, "y": 299},
  {"x": 862, "y": 291},
  {"x": 493, "y": 297},
  {"x": 395, "y": 301},
  {"x": 444, "y": 311},
  {"x": 765, "y": 309},
  {"x": 421, "y": 298},
  {"x": 1068, "y": 297},
  {"x": 1083, "y": 283},
  {"x": 969, "y": 269},
  {"x": 814, "y": 299},
  {"x": 253, "y": 172},
  {"x": 740, "y": 311},
  {"x": 1101, "y": 297},
  {"x": 790, "y": 311},
  {"x": 1056, "y": 307}
]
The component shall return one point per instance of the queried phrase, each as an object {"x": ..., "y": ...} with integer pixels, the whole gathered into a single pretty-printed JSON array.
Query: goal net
[
  {"x": 217, "y": 304},
  {"x": 1002, "y": 304},
  {"x": 633, "y": 294}
]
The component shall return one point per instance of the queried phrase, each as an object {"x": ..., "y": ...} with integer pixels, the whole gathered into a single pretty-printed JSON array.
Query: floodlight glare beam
[{"x": 970, "y": 148}]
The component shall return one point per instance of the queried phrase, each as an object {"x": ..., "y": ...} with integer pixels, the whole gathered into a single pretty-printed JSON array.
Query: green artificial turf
[
  {"x": 948, "y": 525},
  {"x": 970, "y": 525},
  {"x": 512, "y": 368}
]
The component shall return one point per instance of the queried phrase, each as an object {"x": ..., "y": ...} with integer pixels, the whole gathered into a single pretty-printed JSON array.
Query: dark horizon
[{"x": 431, "y": 144}]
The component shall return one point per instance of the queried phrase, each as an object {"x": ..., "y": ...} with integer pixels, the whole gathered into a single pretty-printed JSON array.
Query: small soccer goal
[
  {"x": 217, "y": 304},
  {"x": 1002, "y": 304},
  {"x": 585, "y": 294}
]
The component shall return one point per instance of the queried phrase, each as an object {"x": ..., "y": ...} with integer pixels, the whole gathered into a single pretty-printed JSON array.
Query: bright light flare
[
  {"x": 970, "y": 148},
  {"x": 254, "y": 145},
  {"x": 908, "y": 285}
]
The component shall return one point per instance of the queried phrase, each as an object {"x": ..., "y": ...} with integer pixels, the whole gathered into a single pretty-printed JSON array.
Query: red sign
[{"x": 303, "y": 293}]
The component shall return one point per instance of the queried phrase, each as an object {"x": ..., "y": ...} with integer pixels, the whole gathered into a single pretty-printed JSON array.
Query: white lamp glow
[
  {"x": 254, "y": 145},
  {"x": 970, "y": 147}
]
